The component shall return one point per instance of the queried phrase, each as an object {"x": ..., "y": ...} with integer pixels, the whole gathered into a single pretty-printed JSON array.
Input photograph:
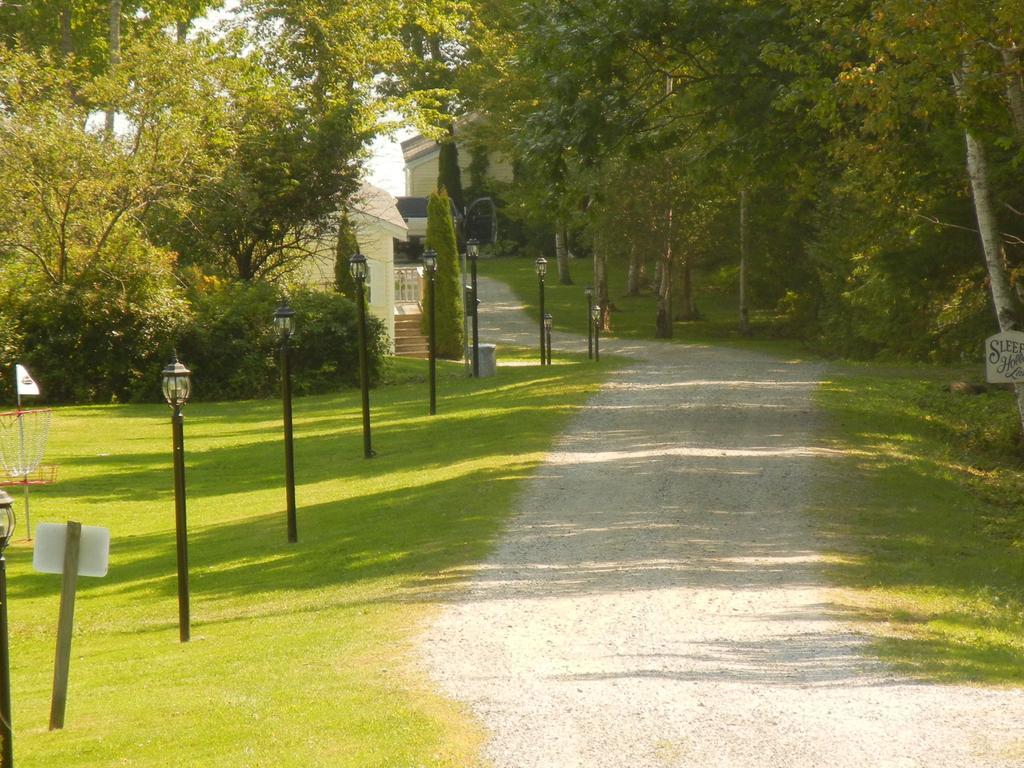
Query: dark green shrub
[
  {"x": 98, "y": 340},
  {"x": 230, "y": 343},
  {"x": 326, "y": 342},
  {"x": 232, "y": 348}
]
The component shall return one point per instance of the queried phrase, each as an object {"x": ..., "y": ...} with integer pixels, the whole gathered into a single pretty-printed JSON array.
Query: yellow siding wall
[
  {"x": 421, "y": 176},
  {"x": 376, "y": 244},
  {"x": 421, "y": 179}
]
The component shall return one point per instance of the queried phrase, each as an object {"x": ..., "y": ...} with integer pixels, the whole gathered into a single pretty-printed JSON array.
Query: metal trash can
[{"x": 488, "y": 360}]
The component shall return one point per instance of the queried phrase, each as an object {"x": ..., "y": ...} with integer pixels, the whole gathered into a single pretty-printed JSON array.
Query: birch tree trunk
[
  {"x": 562, "y": 253},
  {"x": 1014, "y": 88},
  {"x": 1002, "y": 296},
  {"x": 663, "y": 321},
  {"x": 635, "y": 268},
  {"x": 744, "y": 248},
  {"x": 1015, "y": 100},
  {"x": 601, "y": 283},
  {"x": 115, "y": 54},
  {"x": 684, "y": 297}
]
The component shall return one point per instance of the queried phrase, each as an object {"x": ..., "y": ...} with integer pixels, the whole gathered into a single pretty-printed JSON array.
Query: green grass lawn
[
  {"x": 924, "y": 521},
  {"x": 633, "y": 317},
  {"x": 301, "y": 655}
]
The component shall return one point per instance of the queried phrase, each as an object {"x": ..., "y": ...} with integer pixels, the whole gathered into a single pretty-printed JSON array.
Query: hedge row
[{"x": 85, "y": 346}]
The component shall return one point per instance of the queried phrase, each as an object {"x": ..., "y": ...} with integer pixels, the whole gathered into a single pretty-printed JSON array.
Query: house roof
[
  {"x": 412, "y": 207},
  {"x": 416, "y": 208},
  {"x": 419, "y": 147},
  {"x": 376, "y": 203}
]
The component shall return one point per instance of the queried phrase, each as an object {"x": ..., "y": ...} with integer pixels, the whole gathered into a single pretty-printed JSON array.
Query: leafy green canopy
[{"x": 644, "y": 122}]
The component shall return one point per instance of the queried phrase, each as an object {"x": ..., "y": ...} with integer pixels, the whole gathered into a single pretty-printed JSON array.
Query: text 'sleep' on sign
[{"x": 1004, "y": 357}]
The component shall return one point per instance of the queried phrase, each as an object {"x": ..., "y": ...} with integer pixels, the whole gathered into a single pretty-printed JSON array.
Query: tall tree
[
  {"x": 926, "y": 89},
  {"x": 448, "y": 280},
  {"x": 71, "y": 196},
  {"x": 449, "y": 176},
  {"x": 347, "y": 246},
  {"x": 114, "y": 43}
]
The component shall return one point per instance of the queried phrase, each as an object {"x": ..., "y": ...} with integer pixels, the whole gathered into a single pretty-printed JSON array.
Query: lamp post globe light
[
  {"x": 542, "y": 269},
  {"x": 589, "y": 293},
  {"x": 177, "y": 387},
  {"x": 357, "y": 268},
  {"x": 7, "y": 523},
  {"x": 595, "y": 313},
  {"x": 473, "y": 252},
  {"x": 548, "y": 321},
  {"x": 284, "y": 322},
  {"x": 430, "y": 264}
]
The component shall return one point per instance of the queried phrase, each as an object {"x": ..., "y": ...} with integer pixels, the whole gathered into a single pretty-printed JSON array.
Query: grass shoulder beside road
[
  {"x": 924, "y": 523},
  {"x": 300, "y": 654}
]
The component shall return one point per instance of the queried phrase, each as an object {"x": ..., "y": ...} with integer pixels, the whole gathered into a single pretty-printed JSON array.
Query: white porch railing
[{"x": 408, "y": 285}]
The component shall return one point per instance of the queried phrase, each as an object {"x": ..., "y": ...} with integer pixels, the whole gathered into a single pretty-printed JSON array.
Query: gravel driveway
[{"x": 658, "y": 599}]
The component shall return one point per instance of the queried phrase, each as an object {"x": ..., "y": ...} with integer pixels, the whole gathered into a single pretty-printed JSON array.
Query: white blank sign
[{"x": 93, "y": 553}]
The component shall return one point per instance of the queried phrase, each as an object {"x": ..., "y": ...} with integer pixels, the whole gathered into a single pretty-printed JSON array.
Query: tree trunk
[
  {"x": 663, "y": 321},
  {"x": 633, "y": 276},
  {"x": 67, "y": 42},
  {"x": 115, "y": 54},
  {"x": 1002, "y": 298},
  {"x": 1014, "y": 89},
  {"x": 684, "y": 294},
  {"x": 977, "y": 169},
  {"x": 744, "y": 247},
  {"x": 181, "y": 31},
  {"x": 562, "y": 253},
  {"x": 601, "y": 284}
]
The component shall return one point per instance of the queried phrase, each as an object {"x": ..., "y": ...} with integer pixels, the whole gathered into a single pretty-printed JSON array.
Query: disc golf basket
[{"x": 23, "y": 436}]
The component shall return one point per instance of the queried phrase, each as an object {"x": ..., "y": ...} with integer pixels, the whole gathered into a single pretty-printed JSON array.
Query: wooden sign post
[
  {"x": 65, "y": 625},
  {"x": 73, "y": 550}
]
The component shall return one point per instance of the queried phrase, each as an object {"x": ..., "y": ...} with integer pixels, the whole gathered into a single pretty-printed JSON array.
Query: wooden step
[{"x": 409, "y": 339}]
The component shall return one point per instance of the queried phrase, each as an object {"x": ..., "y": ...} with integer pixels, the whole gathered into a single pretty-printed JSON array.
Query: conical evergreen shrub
[{"x": 441, "y": 237}]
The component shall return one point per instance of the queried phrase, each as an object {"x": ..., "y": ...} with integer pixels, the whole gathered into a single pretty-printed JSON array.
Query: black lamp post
[
  {"x": 590, "y": 322},
  {"x": 284, "y": 322},
  {"x": 430, "y": 262},
  {"x": 472, "y": 252},
  {"x": 548, "y": 320},
  {"x": 542, "y": 269},
  {"x": 177, "y": 386},
  {"x": 357, "y": 267},
  {"x": 7, "y": 523},
  {"x": 595, "y": 313}
]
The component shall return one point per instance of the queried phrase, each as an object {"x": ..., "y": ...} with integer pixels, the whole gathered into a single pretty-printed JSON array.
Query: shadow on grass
[
  {"x": 328, "y": 433},
  {"x": 938, "y": 566},
  {"x": 432, "y": 500},
  {"x": 392, "y": 534}
]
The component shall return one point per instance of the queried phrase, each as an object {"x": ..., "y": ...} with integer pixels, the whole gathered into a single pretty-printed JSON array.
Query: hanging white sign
[
  {"x": 1004, "y": 357},
  {"x": 93, "y": 553}
]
